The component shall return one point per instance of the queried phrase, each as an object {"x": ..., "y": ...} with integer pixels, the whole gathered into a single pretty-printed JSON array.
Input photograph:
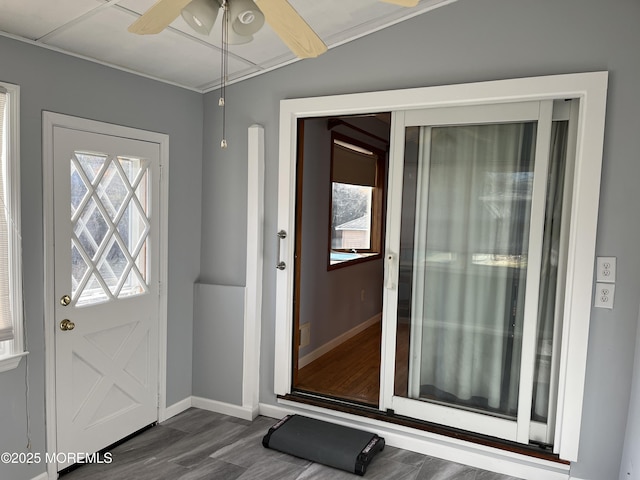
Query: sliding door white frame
[
  {"x": 590, "y": 89},
  {"x": 541, "y": 113}
]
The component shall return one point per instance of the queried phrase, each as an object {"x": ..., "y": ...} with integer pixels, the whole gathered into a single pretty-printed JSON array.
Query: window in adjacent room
[
  {"x": 11, "y": 318},
  {"x": 357, "y": 198}
]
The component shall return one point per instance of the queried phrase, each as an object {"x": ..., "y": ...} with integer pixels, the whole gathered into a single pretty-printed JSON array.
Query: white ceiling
[{"x": 97, "y": 30}]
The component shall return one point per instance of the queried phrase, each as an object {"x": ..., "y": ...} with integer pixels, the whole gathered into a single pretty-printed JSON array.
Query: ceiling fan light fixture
[
  {"x": 246, "y": 17},
  {"x": 201, "y": 15}
]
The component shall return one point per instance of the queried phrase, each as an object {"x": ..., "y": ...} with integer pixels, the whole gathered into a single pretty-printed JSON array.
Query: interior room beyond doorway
[{"x": 341, "y": 192}]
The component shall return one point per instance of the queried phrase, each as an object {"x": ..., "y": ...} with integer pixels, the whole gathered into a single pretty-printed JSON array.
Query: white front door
[{"x": 106, "y": 231}]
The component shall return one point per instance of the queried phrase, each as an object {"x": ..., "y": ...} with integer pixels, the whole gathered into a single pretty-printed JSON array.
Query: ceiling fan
[
  {"x": 245, "y": 18},
  {"x": 240, "y": 20}
]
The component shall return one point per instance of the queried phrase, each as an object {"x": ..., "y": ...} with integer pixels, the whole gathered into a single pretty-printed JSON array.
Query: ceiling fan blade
[
  {"x": 403, "y": 3},
  {"x": 158, "y": 17},
  {"x": 291, "y": 28}
]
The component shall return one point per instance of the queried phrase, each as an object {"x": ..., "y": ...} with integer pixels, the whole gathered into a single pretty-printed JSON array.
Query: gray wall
[
  {"x": 63, "y": 84},
  {"x": 470, "y": 40},
  {"x": 217, "y": 359}
]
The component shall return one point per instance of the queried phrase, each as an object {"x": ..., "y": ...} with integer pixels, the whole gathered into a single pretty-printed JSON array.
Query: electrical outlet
[
  {"x": 604, "y": 295},
  {"x": 305, "y": 334},
  {"x": 606, "y": 269}
]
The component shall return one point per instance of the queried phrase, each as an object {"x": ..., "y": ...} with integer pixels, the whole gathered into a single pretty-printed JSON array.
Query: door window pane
[{"x": 110, "y": 220}]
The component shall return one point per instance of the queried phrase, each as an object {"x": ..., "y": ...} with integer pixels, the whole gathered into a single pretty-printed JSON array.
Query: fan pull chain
[{"x": 224, "y": 68}]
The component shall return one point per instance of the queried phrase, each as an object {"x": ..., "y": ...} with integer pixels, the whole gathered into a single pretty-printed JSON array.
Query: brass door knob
[{"x": 67, "y": 325}]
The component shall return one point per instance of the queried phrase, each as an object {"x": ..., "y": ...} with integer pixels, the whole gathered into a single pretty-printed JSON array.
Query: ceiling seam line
[{"x": 78, "y": 19}]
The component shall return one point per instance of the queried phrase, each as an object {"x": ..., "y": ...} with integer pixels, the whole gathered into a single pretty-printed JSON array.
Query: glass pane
[
  {"x": 463, "y": 260},
  {"x": 113, "y": 221},
  {"x": 92, "y": 293},
  {"x": 351, "y": 217},
  {"x": 78, "y": 189},
  {"x": 78, "y": 269},
  {"x": 112, "y": 191},
  {"x": 132, "y": 286},
  {"x": 141, "y": 261},
  {"x": 91, "y": 228},
  {"x": 112, "y": 266},
  {"x": 133, "y": 227},
  {"x": 131, "y": 167},
  {"x": 544, "y": 372},
  {"x": 91, "y": 164}
]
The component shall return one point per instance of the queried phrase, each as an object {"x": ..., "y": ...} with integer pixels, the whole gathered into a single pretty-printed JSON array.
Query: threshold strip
[{"x": 536, "y": 451}]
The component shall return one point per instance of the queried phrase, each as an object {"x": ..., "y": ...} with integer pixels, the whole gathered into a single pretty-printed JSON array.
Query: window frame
[
  {"x": 378, "y": 211},
  {"x": 15, "y": 348}
]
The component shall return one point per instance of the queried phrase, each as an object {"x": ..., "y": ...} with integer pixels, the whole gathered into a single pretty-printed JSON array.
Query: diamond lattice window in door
[{"x": 110, "y": 227}]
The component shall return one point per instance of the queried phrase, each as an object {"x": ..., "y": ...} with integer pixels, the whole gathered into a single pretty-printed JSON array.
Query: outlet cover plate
[
  {"x": 604, "y": 295},
  {"x": 606, "y": 269}
]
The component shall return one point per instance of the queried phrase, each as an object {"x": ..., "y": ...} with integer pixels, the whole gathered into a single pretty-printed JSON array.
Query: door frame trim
[
  {"x": 49, "y": 121},
  {"x": 591, "y": 89}
]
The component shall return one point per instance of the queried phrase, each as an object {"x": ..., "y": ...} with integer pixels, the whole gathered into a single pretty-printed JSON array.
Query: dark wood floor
[
  {"x": 202, "y": 445},
  {"x": 351, "y": 371}
]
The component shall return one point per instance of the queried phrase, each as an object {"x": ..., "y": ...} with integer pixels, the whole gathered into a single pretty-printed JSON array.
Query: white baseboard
[
  {"x": 246, "y": 413},
  {"x": 451, "y": 449},
  {"x": 254, "y": 411},
  {"x": 224, "y": 408},
  {"x": 175, "y": 409},
  {"x": 274, "y": 411},
  {"x": 318, "y": 352},
  {"x": 42, "y": 476}
]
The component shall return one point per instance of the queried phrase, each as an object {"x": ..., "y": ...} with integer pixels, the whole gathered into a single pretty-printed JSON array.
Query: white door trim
[
  {"x": 49, "y": 121},
  {"x": 253, "y": 288}
]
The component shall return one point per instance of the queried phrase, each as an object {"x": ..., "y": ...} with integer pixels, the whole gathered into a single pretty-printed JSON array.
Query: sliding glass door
[{"x": 474, "y": 243}]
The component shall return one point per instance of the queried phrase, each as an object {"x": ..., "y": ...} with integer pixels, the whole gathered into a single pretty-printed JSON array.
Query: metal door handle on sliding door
[{"x": 281, "y": 236}]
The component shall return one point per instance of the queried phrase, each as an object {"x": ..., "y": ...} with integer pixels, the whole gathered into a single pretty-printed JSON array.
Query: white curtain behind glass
[
  {"x": 470, "y": 260},
  {"x": 471, "y": 253}
]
